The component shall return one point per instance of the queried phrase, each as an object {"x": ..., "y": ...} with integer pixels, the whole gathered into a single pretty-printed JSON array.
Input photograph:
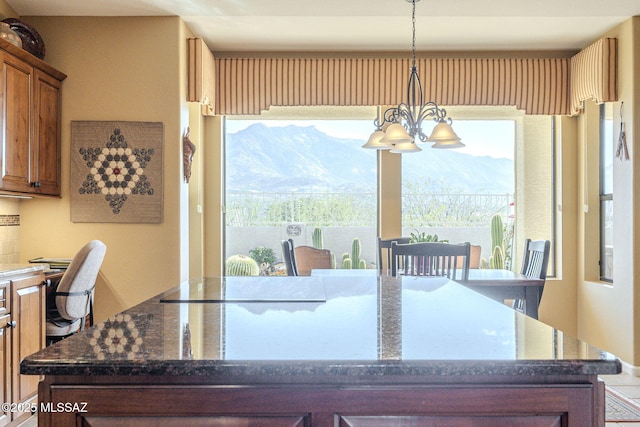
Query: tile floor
[{"x": 627, "y": 385}]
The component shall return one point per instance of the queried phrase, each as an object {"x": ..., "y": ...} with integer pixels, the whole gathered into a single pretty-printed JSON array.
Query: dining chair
[
  {"x": 475, "y": 252},
  {"x": 72, "y": 301},
  {"x": 534, "y": 264},
  {"x": 384, "y": 252},
  {"x": 289, "y": 257},
  {"x": 431, "y": 259},
  {"x": 307, "y": 258}
]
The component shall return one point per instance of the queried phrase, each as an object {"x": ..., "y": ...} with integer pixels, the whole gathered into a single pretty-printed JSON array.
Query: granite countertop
[
  {"x": 7, "y": 270},
  {"x": 266, "y": 328}
]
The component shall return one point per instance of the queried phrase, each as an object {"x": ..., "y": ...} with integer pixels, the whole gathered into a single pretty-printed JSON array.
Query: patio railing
[{"x": 324, "y": 209}]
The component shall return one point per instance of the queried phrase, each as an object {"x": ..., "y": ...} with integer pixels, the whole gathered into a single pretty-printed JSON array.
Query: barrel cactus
[{"x": 241, "y": 265}]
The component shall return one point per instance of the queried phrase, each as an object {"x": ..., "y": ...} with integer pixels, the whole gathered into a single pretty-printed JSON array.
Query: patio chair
[
  {"x": 431, "y": 259},
  {"x": 384, "y": 252},
  {"x": 307, "y": 258},
  {"x": 289, "y": 257},
  {"x": 534, "y": 264}
]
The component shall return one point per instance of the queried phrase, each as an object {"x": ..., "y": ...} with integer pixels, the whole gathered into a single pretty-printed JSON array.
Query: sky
[{"x": 494, "y": 138}]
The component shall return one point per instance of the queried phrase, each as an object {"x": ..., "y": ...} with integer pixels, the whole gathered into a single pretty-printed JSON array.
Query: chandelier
[{"x": 405, "y": 121}]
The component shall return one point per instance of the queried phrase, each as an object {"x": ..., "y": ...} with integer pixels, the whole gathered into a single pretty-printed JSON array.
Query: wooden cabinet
[
  {"x": 28, "y": 317},
  {"x": 22, "y": 332},
  {"x": 100, "y": 401},
  {"x": 30, "y": 123},
  {"x": 5, "y": 368},
  {"x": 45, "y": 157}
]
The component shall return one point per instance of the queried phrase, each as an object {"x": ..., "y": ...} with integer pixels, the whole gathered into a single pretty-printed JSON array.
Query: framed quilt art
[{"x": 116, "y": 171}]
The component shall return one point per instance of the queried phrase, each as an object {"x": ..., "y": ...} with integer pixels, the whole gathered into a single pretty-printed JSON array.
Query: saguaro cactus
[
  {"x": 497, "y": 231},
  {"x": 496, "y": 260},
  {"x": 355, "y": 253},
  {"x": 353, "y": 261},
  {"x": 316, "y": 238},
  {"x": 498, "y": 243}
]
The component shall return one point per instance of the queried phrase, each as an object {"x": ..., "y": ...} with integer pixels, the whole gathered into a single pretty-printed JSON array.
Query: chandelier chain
[{"x": 413, "y": 24}]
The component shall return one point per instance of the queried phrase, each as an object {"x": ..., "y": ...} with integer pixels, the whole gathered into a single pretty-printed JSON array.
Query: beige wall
[
  {"x": 6, "y": 11},
  {"x": 118, "y": 69},
  {"x": 606, "y": 315}
]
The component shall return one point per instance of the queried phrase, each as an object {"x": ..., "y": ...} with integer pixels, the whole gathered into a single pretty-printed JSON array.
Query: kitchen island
[{"x": 321, "y": 351}]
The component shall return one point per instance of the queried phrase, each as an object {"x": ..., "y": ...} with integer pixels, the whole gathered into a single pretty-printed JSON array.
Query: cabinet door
[
  {"x": 28, "y": 313},
  {"x": 16, "y": 123},
  {"x": 45, "y": 155},
  {"x": 5, "y": 368}
]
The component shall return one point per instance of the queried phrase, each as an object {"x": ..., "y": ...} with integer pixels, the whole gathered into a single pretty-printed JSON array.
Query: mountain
[{"x": 302, "y": 158}]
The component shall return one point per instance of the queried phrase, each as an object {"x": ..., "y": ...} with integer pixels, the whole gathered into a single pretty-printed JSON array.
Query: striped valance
[
  {"x": 549, "y": 86},
  {"x": 594, "y": 74},
  {"x": 248, "y": 86}
]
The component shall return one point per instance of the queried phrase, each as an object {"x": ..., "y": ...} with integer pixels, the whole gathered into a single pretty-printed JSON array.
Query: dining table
[
  {"x": 498, "y": 284},
  {"x": 502, "y": 285}
]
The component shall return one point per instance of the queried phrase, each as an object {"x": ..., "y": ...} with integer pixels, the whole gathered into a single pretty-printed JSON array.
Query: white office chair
[{"x": 72, "y": 301}]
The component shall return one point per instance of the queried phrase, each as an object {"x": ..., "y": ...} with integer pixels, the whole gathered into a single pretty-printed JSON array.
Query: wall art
[{"x": 116, "y": 171}]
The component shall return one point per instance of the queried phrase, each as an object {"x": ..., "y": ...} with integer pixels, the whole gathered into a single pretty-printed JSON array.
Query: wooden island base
[{"x": 180, "y": 401}]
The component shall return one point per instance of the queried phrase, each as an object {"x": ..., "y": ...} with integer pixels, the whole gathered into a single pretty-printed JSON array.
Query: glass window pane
[
  {"x": 285, "y": 178},
  {"x": 454, "y": 193},
  {"x": 607, "y": 148},
  {"x": 606, "y": 236}
]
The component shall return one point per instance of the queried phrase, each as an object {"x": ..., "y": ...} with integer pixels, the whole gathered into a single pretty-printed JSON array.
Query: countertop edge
[
  {"x": 331, "y": 370},
  {"x": 10, "y": 270}
]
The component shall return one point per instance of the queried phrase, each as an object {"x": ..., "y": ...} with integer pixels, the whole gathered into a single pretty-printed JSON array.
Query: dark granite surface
[{"x": 329, "y": 327}]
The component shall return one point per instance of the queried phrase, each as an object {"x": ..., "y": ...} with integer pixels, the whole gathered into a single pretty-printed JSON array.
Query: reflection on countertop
[{"x": 324, "y": 325}]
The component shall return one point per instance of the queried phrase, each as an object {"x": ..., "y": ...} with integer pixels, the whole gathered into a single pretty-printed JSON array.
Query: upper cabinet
[{"x": 30, "y": 95}]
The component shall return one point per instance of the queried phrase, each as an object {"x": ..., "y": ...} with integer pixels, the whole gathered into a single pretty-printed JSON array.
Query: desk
[{"x": 505, "y": 284}]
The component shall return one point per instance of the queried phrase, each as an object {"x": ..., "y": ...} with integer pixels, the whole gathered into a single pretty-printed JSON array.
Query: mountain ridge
[{"x": 294, "y": 158}]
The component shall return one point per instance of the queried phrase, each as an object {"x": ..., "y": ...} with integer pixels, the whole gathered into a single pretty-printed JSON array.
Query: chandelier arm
[
  {"x": 431, "y": 110},
  {"x": 390, "y": 115}
]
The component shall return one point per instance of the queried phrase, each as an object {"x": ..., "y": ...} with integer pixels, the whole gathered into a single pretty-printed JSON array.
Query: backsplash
[{"x": 9, "y": 231}]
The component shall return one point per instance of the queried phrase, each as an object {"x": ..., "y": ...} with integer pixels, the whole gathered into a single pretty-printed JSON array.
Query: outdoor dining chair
[
  {"x": 431, "y": 259},
  {"x": 534, "y": 264},
  {"x": 307, "y": 258},
  {"x": 289, "y": 257},
  {"x": 384, "y": 252}
]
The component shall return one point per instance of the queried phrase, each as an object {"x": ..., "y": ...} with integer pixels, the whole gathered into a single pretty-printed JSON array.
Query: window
[
  {"x": 606, "y": 192},
  {"x": 287, "y": 178}
]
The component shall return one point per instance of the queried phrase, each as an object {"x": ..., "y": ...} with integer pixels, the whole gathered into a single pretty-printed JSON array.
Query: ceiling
[{"x": 368, "y": 25}]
